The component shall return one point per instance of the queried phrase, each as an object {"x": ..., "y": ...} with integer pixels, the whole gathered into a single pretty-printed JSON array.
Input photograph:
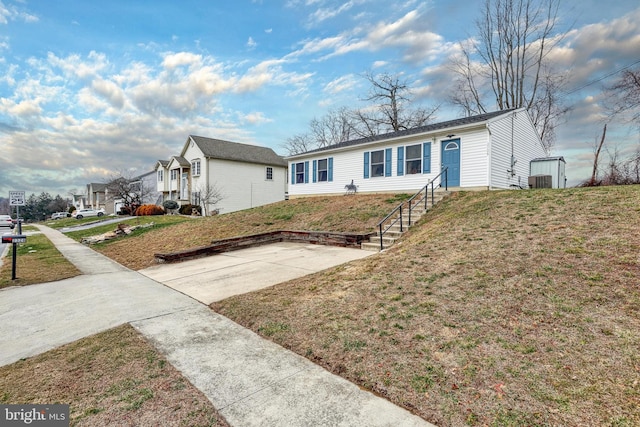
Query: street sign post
[{"x": 17, "y": 199}]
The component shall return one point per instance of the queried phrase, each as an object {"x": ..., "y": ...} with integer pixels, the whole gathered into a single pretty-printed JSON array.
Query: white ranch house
[
  {"x": 487, "y": 151},
  {"x": 245, "y": 175}
]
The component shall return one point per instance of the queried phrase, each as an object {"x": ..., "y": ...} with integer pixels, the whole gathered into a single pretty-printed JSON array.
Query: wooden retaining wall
[{"x": 351, "y": 240}]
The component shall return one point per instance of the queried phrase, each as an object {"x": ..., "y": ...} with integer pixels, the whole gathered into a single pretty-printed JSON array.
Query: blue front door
[{"x": 451, "y": 161}]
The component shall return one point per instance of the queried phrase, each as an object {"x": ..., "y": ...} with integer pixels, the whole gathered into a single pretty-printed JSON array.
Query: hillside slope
[
  {"x": 500, "y": 308},
  {"x": 355, "y": 213}
]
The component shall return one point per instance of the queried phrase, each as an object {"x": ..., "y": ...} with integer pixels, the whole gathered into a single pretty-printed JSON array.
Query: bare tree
[
  {"x": 391, "y": 98},
  {"x": 300, "y": 143},
  {"x": 593, "y": 181},
  {"x": 624, "y": 95},
  {"x": 131, "y": 190},
  {"x": 207, "y": 195},
  {"x": 506, "y": 66},
  {"x": 389, "y": 110}
]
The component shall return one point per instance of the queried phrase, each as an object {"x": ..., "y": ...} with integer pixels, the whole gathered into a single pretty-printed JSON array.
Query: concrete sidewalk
[{"x": 251, "y": 381}]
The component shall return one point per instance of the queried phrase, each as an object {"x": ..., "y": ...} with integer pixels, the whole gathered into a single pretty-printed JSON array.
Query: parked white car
[
  {"x": 6, "y": 222},
  {"x": 82, "y": 213},
  {"x": 60, "y": 215}
]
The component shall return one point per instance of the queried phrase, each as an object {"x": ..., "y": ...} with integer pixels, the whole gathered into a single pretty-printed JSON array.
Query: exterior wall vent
[{"x": 540, "y": 181}]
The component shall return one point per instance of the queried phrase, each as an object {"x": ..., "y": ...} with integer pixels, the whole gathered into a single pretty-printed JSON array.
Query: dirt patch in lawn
[
  {"x": 112, "y": 378},
  {"x": 500, "y": 308}
]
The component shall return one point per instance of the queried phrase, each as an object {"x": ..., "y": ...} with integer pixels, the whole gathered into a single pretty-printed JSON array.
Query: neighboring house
[
  {"x": 80, "y": 201},
  {"x": 487, "y": 151},
  {"x": 145, "y": 186},
  {"x": 96, "y": 197},
  {"x": 243, "y": 175}
]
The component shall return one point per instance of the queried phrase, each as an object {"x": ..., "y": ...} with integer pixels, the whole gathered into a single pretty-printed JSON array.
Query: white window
[
  {"x": 160, "y": 176},
  {"x": 269, "y": 173},
  {"x": 299, "y": 173},
  {"x": 195, "y": 167},
  {"x": 323, "y": 169},
  {"x": 414, "y": 159},
  {"x": 377, "y": 163},
  {"x": 174, "y": 174}
]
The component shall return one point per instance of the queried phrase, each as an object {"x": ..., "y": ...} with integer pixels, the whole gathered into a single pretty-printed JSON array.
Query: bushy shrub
[
  {"x": 170, "y": 205},
  {"x": 149, "y": 210},
  {"x": 188, "y": 209}
]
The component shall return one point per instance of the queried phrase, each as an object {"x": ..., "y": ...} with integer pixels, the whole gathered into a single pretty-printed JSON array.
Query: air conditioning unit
[{"x": 540, "y": 181}]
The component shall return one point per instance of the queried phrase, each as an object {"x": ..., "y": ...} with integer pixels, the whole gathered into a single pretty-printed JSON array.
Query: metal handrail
[{"x": 398, "y": 209}]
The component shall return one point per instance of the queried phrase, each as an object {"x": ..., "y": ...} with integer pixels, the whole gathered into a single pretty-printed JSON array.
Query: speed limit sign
[{"x": 16, "y": 198}]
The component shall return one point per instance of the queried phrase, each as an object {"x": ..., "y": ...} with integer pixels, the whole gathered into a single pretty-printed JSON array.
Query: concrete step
[
  {"x": 375, "y": 247},
  {"x": 386, "y": 240},
  {"x": 393, "y": 233}
]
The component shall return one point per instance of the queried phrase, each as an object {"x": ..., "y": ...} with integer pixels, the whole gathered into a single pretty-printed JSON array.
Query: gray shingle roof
[
  {"x": 226, "y": 150},
  {"x": 422, "y": 129},
  {"x": 181, "y": 161}
]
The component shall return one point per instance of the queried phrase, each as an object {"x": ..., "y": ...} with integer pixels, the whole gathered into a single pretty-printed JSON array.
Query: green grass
[
  {"x": 159, "y": 221},
  {"x": 37, "y": 261}
]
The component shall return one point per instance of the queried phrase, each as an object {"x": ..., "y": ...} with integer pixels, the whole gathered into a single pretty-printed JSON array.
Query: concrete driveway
[{"x": 217, "y": 277}]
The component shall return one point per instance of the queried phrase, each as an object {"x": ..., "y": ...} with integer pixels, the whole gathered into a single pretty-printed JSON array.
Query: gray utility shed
[{"x": 553, "y": 166}]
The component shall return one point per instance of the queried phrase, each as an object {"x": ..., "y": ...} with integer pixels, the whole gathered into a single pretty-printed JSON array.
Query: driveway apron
[{"x": 251, "y": 381}]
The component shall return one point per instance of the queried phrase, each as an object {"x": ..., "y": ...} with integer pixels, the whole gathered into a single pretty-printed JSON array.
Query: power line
[{"x": 599, "y": 79}]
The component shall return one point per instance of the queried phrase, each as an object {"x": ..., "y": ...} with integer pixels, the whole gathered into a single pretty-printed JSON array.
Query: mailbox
[{"x": 18, "y": 238}]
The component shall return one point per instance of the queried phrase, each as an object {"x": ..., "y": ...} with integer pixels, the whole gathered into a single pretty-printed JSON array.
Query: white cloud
[
  {"x": 175, "y": 60},
  {"x": 323, "y": 14},
  {"x": 255, "y": 118},
  {"x": 251, "y": 43},
  {"x": 340, "y": 84},
  {"x": 75, "y": 66},
  {"x": 408, "y": 33}
]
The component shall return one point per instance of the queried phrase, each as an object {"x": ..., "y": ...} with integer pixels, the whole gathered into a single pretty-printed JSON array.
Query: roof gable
[
  {"x": 234, "y": 151},
  {"x": 177, "y": 161}
]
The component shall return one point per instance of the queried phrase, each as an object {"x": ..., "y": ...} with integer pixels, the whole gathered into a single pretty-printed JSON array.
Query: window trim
[
  {"x": 317, "y": 172},
  {"x": 160, "y": 175},
  {"x": 387, "y": 157},
  {"x": 418, "y": 158},
  {"x": 195, "y": 167},
  {"x": 269, "y": 173},
  {"x": 174, "y": 174},
  {"x": 377, "y": 164},
  {"x": 300, "y": 176}
]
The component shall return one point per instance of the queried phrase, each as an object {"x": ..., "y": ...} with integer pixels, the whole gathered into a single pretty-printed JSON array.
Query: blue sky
[{"x": 93, "y": 88}]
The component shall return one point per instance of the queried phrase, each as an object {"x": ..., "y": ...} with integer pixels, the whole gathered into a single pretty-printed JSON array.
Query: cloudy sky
[{"x": 92, "y": 88}]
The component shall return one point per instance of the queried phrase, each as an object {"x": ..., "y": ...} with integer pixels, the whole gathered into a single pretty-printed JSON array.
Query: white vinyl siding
[
  {"x": 484, "y": 159},
  {"x": 473, "y": 158},
  {"x": 349, "y": 165},
  {"x": 526, "y": 146},
  {"x": 242, "y": 185},
  {"x": 250, "y": 191}
]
